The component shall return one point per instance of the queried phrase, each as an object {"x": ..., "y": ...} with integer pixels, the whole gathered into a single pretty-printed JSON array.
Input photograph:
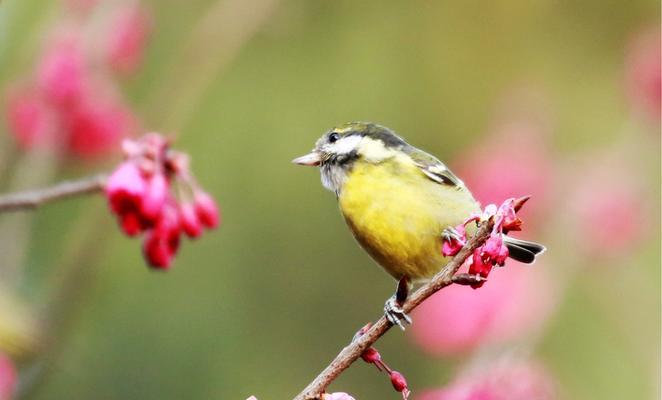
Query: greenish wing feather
[{"x": 433, "y": 168}]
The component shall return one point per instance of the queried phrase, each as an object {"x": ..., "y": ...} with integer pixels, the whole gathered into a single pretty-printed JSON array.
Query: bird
[{"x": 399, "y": 202}]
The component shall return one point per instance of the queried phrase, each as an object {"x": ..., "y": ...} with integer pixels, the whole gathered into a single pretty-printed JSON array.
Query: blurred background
[{"x": 560, "y": 100}]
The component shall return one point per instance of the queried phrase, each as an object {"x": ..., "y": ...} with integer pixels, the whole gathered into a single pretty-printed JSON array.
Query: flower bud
[
  {"x": 206, "y": 209},
  {"x": 155, "y": 196},
  {"x": 398, "y": 381},
  {"x": 189, "y": 220},
  {"x": 162, "y": 242},
  {"x": 371, "y": 355},
  {"x": 125, "y": 190}
]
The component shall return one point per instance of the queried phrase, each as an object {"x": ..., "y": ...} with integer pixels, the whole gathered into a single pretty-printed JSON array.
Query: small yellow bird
[{"x": 398, "y": 202}]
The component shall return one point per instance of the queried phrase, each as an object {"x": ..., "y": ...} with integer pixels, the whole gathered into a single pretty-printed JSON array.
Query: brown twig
[
  {"x": 354, "y": 350},
  {"x": 34, "y": 198}
]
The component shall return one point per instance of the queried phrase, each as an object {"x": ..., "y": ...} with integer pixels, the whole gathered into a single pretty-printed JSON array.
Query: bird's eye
[{"x": 333, "y": 137}]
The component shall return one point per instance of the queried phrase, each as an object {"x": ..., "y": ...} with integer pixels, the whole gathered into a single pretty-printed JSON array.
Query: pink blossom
[
  {"x": 96, "y": 127},
  {"x": 479, "y": 265},
  {"x": 494, "y": 250},
  {"x": 8, "y": 378},
  {"x": 29, "y": 119},
  {"x": 206, "y": 209},
  {"x": 190, "y": 222},
  {"x": 457, "y": 319},
  {"x": 140, "y": 194},
  {"x": 155, "y": 196},
  {"x": 128, "y": 38},
  {"x": 506, "y": 380},
  {"x": 125, "y": 190},
  {"x": 337, "y": 396},
  {"x": 162, "y": 242},
  {"x": 61, "y": 73},
  {"x": 643, "y": 69}
]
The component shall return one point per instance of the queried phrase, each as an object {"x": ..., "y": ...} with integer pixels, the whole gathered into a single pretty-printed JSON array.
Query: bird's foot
[
  {"x": 451, "y": 234},
  {"x": 395, "y": 314}
]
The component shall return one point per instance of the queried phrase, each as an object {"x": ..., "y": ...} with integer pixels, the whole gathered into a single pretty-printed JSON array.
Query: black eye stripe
[{"x": 333, "y": 137}]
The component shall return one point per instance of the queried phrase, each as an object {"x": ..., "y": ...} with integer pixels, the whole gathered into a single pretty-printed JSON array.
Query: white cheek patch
[
  {"x": 375, "y": 151},
  {"x": 345, "y": 145}
]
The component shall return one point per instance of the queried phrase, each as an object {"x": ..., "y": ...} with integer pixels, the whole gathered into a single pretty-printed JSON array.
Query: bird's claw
[
  {"x": 395, "y": 314},
  {"x": 450, "y": 234}
]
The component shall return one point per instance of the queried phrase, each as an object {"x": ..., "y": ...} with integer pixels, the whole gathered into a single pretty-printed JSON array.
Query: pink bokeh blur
[
  {"x": 513, "y": 160},
  {"x": 8, "y": 378},
  {"x": 71, "y": 102},
  {"x": 514, "y": 302},
  {"x": 607, "y": 206},
  {"x": 642, "y": 73},
  {"x": 503, "y": 380}
]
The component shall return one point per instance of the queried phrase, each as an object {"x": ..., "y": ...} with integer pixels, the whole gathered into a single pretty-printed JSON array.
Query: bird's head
[{"x": 341, "y": 147}]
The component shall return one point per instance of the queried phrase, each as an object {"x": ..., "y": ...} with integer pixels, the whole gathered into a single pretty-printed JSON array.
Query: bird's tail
[{"x": 522, "y": 250}]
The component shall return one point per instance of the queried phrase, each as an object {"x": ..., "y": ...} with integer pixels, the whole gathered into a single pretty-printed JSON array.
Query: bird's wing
[{"x": 433, "y": 168}]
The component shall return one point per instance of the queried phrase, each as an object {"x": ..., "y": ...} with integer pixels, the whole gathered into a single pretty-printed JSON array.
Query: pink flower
[
  {"x": 162, "y": 242},
  {"x": 61, "y": 72},
  {"x": 125, "y": 189},
  {"x": 189, "y": 219},
  {"x": 128, "y": 38},
  {"x": 479, "y": 265},
  {"x": 337, "y": 396},
  {"x": 506, "y": 380},
  {"x": 29, "y": 119},
  {"x": 140, "y": 194},
  {"x": 8, "y": 378},
  {"x": 155, "y": 196},
  {"x": 206, "y": 209},
  {"x": 516, "y": 302},
  {"x": 96, "y": 127},
  {"x": 643, "y": 69},
  {"x": 494, "y": 249}
]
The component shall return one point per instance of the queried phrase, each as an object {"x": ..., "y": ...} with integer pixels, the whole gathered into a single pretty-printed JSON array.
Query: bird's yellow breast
[{"x": 397, "y": 215}]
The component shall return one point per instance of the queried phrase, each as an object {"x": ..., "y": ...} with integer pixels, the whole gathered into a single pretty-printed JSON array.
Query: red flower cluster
[
  {"x": 72, "y": 103},
  {"x": 493, "y": 251},
  {"x": 139, "y": 193},
  {"x": 372, "y": 356}
]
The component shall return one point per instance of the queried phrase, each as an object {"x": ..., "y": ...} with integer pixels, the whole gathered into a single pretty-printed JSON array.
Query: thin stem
[
  {"x": 31, "y": 199},
  {"x": 354, "y": 350}
]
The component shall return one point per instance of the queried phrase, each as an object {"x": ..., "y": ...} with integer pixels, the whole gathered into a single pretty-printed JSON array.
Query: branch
[
  {"x": 354, "y": 350},
  {"x": 34, "y": 198}
]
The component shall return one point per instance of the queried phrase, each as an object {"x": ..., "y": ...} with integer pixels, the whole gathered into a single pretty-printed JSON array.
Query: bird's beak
[{"x": 312, "y": 159}]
